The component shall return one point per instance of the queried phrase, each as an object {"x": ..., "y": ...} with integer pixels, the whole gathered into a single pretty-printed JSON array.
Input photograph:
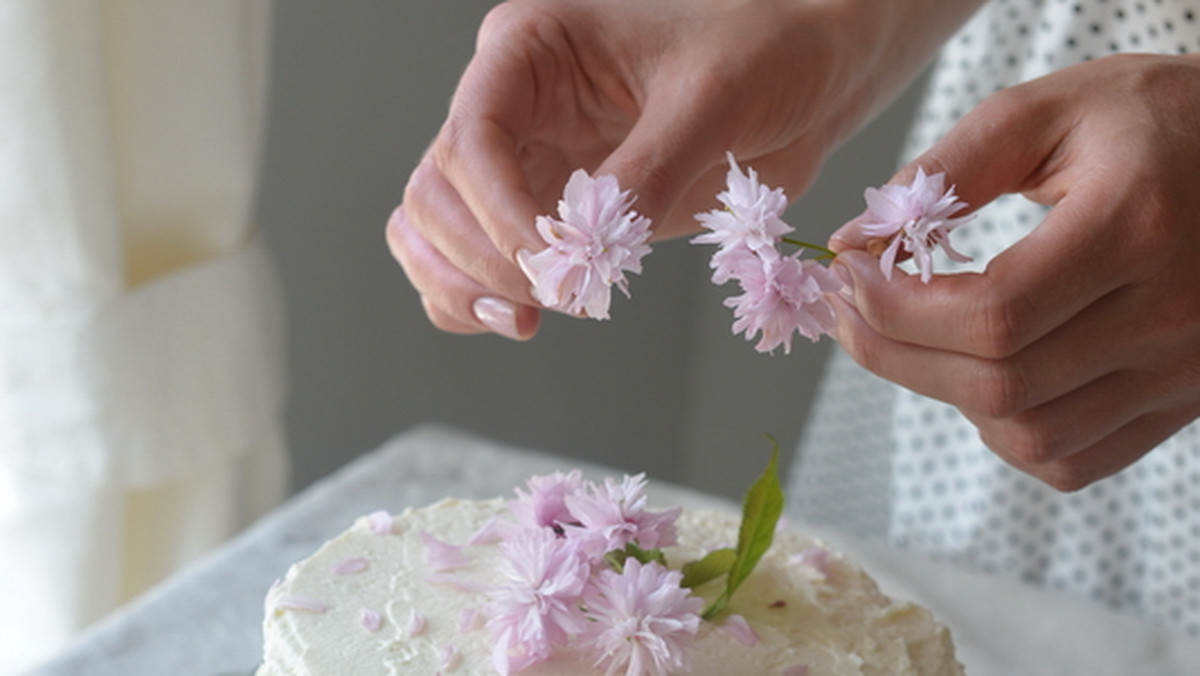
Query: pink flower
[
  {"x": 751, "y": 223},
  {"x": 545, "y": 503},
  {"x": 538, "y": 607},
  {"x": 781, "y": 296},
  {"x": 917, "y": 217},
  {"x": 613, "y": 515},
  {"x": 641, "y": 620},
  {"x": 593, "y": 243}
]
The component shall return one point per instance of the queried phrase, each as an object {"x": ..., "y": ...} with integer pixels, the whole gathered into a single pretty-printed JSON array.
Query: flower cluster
[
  {"x": 916, "y": 218},
  {"x": 781, "y": 293},
  {"x": 591, "y": 245},
  {"x": 561, "y": 584},
  {"x": 598, "y": 238}
]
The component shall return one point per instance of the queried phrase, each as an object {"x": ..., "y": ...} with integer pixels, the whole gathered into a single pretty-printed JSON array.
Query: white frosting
[{"x": 386, "y": 616}]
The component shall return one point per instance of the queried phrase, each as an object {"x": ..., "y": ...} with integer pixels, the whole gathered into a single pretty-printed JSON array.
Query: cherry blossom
[
  {"x": 782, "y": 296},
  {"x": 538, "y": 606},
  {"x": 612, "y": 515},
  {"x": 917, "y": 218},
  {"x": 594, "y": 241},
  {"x": 545, "y": 503},
  {"x": 640, "y": 620},
  {"x": 750, "y": 226}
]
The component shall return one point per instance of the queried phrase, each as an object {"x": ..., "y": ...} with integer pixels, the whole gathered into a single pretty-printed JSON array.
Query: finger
[
  {"x": 1072, "y": 423},
  {"x": 979, "y": 157},
  {"x": 1027, "y": 291},
  {"x": 1112, "y": 454},
  {"x": 440, "y": 217},
  {"x": 453, "y": 301},
  {"x": 477, "y": 149},
  {"x": 1060, "y": 362}
]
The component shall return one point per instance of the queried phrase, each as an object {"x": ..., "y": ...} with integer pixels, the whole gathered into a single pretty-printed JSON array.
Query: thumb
[{"x": 997, "y": 148}]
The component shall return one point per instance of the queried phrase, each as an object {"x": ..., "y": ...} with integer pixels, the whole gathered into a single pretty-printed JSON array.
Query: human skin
[
  {"x": 1077, "y": 350},
  {"x": 654, "y": 93}
]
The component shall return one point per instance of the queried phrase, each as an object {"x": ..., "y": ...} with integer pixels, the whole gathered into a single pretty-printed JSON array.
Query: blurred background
[{"x": 357, "y": 92}]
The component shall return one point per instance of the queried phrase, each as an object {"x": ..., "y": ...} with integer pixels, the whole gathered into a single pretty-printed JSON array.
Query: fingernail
[
  {"x": 846, "y": 278},
  {"x": 498, "y": 315}
]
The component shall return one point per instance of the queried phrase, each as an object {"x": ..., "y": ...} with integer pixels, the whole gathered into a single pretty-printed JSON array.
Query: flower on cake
[
  {"x": 594, "y": 241},
  {"x": 781, "y": 294},
  {"x": 613, "y": 515},
  {"x": 640, "y": 619},
  {"x": 563, "y": 583},
  {"x": 545, "y": 503},
  {"x": 538, "y": 606},
  {"x": 917, "y": 218}
]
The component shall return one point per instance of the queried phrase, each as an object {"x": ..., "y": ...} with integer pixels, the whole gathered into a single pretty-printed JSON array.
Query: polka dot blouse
[{"x": 877, "y": 460}]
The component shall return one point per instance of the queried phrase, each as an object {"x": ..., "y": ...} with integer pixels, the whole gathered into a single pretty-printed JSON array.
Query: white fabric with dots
[{"x": 877, "y": 460}]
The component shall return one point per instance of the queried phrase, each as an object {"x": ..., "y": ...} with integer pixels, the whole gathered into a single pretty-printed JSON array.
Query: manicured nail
[
  {"x": 498, "y": 315},
  {"x": 847, "y": 279}
]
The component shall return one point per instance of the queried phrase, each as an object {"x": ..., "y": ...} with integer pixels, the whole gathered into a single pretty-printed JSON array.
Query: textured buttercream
[{"x": 373, "y": 604}]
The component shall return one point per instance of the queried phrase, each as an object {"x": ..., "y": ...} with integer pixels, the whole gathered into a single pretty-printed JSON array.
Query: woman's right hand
[{"x": 654, "y": 93}]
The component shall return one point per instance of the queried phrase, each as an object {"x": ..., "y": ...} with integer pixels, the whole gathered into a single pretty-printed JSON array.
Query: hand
[
  {"x": 1078, "y": 349},
  {"x": 653, "y": 93}
]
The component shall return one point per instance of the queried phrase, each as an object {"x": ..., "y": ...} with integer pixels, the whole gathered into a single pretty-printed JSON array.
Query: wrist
[{"x": 877, "y": 49}]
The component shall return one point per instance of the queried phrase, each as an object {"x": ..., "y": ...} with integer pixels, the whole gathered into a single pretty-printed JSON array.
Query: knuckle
[
  {"x": 1000, "y": 390},
  {"x": 1028, "y": 442},
  {"x": 1007, "y": 110},
  {"x": 1066, "y": 477},
  {"x": 998, "y": 326}
]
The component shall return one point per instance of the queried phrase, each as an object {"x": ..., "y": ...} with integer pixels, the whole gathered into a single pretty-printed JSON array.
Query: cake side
[{"x": 374, "y": 602}]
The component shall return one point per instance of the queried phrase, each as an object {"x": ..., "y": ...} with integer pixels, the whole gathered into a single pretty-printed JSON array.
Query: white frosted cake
[{"x": 474, "y": 588}]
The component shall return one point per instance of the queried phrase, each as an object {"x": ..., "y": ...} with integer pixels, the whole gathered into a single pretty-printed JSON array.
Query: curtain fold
[{"x": 141, "y": 347}]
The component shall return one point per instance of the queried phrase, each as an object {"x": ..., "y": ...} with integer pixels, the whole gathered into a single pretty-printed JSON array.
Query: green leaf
[
  {"x": 714, "y": 564},
  {"x": 761, "y": 510},
  {"x": 617, "y": 557}
]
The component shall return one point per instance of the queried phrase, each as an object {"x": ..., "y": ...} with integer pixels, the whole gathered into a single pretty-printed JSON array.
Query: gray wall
[{"x": 359, "y": 89}]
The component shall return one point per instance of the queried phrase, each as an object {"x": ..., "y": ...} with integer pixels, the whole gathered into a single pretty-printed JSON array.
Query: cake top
[{"x": 580, "y": 577}]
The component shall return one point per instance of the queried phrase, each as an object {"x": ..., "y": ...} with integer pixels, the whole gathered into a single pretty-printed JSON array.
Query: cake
[{"x": 448, "y": 589}]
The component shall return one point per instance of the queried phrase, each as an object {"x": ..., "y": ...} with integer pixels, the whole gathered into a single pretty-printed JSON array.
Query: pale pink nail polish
[{"x": 498, "y": 315}]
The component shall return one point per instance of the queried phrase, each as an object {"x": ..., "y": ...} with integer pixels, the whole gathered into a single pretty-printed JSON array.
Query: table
[{"x": 206, "y": 619}]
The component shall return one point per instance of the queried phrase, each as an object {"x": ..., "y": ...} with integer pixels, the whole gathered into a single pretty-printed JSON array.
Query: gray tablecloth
[{"x": 206, "y": 620}]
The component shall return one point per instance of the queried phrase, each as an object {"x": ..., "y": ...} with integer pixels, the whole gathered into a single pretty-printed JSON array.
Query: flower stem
[{"x": 825, "y": 252}]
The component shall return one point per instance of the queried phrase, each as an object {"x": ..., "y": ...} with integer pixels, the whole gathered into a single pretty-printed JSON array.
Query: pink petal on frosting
[
  {"x": 816, "y": 558},
  {"x": 490, "y": 533},
  {"x": 796, "y": 670},
  {"x": 416, "y": 624},
  {"x": 301, "y": 603},
  {"x": 442, "y": 556},
  {"x": 469, "y": 619},
  {"x": 355, "y": 564},
  {"x": 739, "y": 628},
  {"x": 450, "y": 658},
  {"x": 380, "y": 523},
  {"x": 371, "y": 620},
  {"x": 454, "y": 581}
]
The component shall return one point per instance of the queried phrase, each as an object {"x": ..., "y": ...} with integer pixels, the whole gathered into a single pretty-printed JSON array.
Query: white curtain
[{"x": 141, "y": 386}]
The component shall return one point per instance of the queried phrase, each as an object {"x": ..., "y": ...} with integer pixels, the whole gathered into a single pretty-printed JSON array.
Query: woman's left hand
[{"x": 1077, "y": 350}]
